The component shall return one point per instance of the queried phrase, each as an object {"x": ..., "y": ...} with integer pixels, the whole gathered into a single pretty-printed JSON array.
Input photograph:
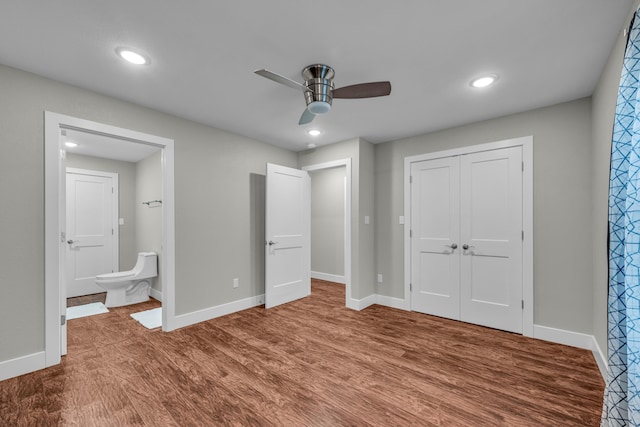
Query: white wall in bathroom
[{"x": 149, "y": 217}]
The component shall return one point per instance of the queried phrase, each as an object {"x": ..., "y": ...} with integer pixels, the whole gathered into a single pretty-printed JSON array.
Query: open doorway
[
  {"x": 137, "y": 146},
  {"x": 331, "y": 222}
]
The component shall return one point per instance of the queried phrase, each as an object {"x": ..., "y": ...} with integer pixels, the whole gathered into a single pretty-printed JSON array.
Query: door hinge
[
  {"x": 410, "y": 233},
  {"x": 111, "y": 190},
  {"x": 410, "y": 179},
  {"x": 410, "y": 287},
  {"x": 63, "y": 237},
  {"x": 522, "y": 234},
  {"x": 522, "y": 304},
  {"x": 112, "y": 231},
  {"x": 522, "y": 166},
  {"x": 63, "y": 320}
]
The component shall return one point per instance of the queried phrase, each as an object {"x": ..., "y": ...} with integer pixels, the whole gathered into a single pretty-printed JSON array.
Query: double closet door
[{"x": 467, "y": 238}]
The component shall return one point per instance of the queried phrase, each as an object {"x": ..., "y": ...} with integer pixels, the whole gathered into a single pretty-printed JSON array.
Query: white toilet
[{"x": 133, "y": 286}]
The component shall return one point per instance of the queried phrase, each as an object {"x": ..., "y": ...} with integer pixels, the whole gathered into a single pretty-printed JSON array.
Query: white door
[
  {"x": 91, "y": 229},
  {"x": 466, "y": 244},
  {"x": 491, "y": 228},
  {"x": 287, "y": 229},
  {"x": 435, "y": 255}
]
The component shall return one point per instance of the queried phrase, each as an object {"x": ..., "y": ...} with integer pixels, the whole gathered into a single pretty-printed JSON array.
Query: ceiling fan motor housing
[{"x": 319, "y": 79}]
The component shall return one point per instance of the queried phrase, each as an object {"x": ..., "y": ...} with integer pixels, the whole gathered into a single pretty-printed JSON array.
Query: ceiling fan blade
[
  {"x": 307, "y": 117},
  {"x": 363, "y": 90},
  {"x": 281, "y": 79}
]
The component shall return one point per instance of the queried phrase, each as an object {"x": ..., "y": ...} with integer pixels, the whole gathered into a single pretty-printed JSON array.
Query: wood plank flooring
[{"x": 308, "y": 363}]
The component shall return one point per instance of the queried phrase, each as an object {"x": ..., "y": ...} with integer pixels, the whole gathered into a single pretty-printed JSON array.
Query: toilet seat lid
[{"x": 118, "y": 275}]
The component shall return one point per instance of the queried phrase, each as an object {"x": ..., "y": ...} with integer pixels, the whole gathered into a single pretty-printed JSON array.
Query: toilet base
[{"x": 135, "y": 293}]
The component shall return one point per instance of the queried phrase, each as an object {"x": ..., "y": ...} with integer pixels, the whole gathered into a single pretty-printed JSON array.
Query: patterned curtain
[{"x": 622, "y": 395}]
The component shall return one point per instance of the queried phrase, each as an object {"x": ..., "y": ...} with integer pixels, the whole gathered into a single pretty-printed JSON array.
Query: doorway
[
  {"x": 56, "y": 125},
  {"x": 342, "y": 172}
]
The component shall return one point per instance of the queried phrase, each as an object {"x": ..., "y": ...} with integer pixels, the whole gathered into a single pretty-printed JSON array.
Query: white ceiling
[{"x": 203, "y": 54}]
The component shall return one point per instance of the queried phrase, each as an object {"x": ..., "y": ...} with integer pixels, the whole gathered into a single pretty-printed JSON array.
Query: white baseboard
[
  {"x": 328, "y": 277},
  {"x": 573, "y": 339},
  {"x": 22, "y": 365},
  {"x": 361, "y": 304},
  {"x": 560, "y": 336},
  {"x": 601, "y": 360},
  {"x": 155, "y": 294},
  {"x": 220, "y": 310},
  {"x": 392, "y": 302}
]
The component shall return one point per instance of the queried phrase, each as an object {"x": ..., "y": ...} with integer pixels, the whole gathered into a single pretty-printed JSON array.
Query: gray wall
[
  {"x": 603, "y": 112},
  {"x": 149, "y": 217},
  {"x": 126, "y": 201},
  {"x": 327, "y": 221},
  {"x": 562, "y": 205},
  {"x": 213, "y": 172}
]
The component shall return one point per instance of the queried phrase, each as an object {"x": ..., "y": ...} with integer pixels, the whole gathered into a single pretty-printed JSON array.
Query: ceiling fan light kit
[{"x": 319, "y": 89}]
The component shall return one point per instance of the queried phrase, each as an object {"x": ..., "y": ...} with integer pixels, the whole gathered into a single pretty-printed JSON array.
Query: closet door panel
[
  {"x": 490, "y": 233},
  {"x": 435, "y": 263}
]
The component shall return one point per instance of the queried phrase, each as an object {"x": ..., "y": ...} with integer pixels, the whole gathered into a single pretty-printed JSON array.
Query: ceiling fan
[{"x": 319, "y": 89}]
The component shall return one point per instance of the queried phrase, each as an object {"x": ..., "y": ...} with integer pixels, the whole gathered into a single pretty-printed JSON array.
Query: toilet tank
[{"x": 147, "y": 265}]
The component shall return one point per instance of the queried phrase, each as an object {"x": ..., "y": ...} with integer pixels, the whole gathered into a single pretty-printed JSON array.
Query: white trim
[
  {"x": 115, "y": 209},
  {"x": 526, "y": 143},
  {"x": 328, "y": 277},
  {"x": 361, "y": 304},
  {"x": 22, "y": 365},
  {"x": 561, "y": 336},
  {"x": 392, "y": 302},
  {"x": 601, "y": 360},
  {"x": 527, "y": 227},
  {"x": 155, "y": 294},
  {"x": 203, "y": 315},
  {"x": 55, "y": 213},
  {"x": 349, "y": 302}
]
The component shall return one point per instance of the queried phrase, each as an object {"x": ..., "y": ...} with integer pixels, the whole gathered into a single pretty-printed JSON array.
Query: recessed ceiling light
[
  {"x": 311, "y": 146},
  {"x": 131, "y": 56},
  {"x": 314, "y": 132},
  {"x": 484, "y": 81},
  {"x": 70, "y": 144}
]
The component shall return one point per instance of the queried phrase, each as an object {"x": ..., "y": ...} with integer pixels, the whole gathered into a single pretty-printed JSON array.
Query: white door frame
[
  {"x": 526, "y": 143},
  {"x": 349, "y": 302},
  {"x": 115, "y": 208},
  {"x": 55, "y": 217}
]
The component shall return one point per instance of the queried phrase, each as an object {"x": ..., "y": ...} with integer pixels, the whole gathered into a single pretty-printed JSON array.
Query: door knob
[
  {"x": 452, "y": 246},
  {"x": 465, "y": 246},
  {"x": 71, "y": 242},
  {"x": 271, "y": 243}
]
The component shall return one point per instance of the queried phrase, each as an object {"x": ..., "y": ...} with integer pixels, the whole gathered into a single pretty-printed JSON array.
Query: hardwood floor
[
  {"x": 86, "y": 299},
  {"x": 307, "y": 363}
]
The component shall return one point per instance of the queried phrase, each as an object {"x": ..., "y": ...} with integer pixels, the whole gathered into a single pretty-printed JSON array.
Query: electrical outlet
[
  {"x": 236, "y": 282},
  {"x": 379, "y": 278}
]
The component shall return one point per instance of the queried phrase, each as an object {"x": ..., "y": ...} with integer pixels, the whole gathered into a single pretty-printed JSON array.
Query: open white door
[{"x": 287, "y": 229}]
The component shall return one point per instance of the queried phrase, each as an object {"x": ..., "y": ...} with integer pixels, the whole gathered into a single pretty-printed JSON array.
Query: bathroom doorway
[{"x": 115, "y": 150}]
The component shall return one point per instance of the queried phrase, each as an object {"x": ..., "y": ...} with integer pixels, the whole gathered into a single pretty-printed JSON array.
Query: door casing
[
  {"x": 526, "y": 143},
  {"x": 55, "y": 218},
  {"x": 349, "y": 302}
]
